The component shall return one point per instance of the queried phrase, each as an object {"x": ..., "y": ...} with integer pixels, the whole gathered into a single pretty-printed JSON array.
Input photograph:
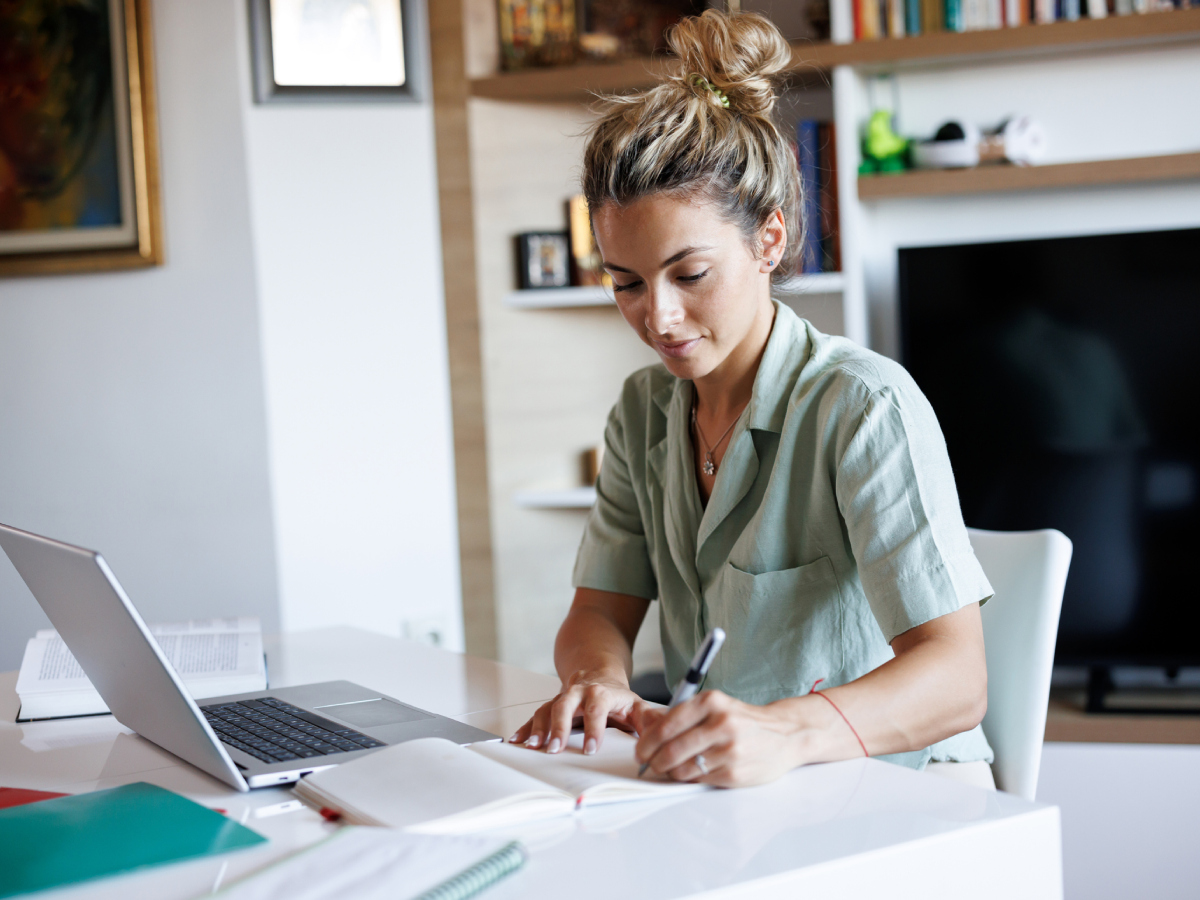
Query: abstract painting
[{"x": 78, "y": 167}]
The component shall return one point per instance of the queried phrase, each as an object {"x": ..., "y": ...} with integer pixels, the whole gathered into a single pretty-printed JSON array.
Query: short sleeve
[
  {"x": 613, "y": 555},
  {"x": 896, "y": 492}
]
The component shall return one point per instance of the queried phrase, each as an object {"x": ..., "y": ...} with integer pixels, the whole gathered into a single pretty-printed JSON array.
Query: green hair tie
[{"x": 701, "y": 81}]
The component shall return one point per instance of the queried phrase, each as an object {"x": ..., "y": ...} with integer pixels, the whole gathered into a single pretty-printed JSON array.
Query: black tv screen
[{"x": 1066, "y": 377}]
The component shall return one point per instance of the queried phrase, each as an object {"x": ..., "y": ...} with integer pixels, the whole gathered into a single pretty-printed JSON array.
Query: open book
[
  {"x": 434, "y": 786},
  {"x": 214, "y": 657}
]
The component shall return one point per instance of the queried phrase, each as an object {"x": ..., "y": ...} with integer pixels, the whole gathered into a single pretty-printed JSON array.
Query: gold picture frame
[{"x": 137, "y": 240}]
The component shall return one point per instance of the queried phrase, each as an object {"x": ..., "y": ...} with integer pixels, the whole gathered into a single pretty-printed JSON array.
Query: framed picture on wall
[
  {"x": 78, "y": 138},
  {"x": 545, "y": 259},
  {"x": 335, "y": 50}
]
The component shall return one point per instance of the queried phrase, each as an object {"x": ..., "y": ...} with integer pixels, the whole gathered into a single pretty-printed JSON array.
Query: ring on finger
[{"x": 703, "y": 766}]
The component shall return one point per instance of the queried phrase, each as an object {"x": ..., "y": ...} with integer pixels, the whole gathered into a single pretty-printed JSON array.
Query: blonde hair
[{"x": 706, "y": 131}]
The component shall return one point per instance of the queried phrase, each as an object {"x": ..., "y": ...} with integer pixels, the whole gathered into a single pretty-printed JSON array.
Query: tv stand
[
  {"x": 1099, "y": 685},
  {"x": 1104, "y": 697}
]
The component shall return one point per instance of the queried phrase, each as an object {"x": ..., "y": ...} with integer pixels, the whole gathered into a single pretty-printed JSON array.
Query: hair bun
[{"x": 740, "y": 54}]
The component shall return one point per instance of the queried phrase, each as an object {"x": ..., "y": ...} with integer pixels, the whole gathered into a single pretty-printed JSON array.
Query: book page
[
  {"x": 212, "y": 656},
  {"x": 432, "y": 786},
  {"x": 201, "y": 648},
  {"x": 609, "y": 776},
  {"x": 49, "y": 665}
]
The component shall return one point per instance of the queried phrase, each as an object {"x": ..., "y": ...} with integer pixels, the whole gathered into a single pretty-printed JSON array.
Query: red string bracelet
[{"x": 813, "y": 690}]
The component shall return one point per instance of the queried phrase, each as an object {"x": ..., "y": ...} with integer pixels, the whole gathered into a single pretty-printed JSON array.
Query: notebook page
[
  {"x": 432, "y": 786},
  {"x": 608, "y": 776},
  {"x": 366, "y": 864}
]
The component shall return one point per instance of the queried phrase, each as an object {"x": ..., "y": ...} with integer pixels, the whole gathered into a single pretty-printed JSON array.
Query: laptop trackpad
[{"x": 373, "y": 713}]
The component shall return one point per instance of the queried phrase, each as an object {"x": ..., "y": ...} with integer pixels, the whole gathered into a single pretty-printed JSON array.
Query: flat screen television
[{"x": 1066, "y": 377}]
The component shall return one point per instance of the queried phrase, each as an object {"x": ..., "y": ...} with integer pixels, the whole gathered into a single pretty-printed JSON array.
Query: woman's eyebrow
[
  {"x": 670, "y": 260},
  {"x": 686, "y": 251}
]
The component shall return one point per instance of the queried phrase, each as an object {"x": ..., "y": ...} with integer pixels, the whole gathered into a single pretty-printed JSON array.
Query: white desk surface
[{"x": 860, "y": 828}]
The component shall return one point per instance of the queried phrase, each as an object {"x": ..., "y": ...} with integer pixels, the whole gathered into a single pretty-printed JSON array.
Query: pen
[{"x": 695, "y": 674}]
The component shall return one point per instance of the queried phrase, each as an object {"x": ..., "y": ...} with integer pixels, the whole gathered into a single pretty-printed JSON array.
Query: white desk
[{"x": 861, "y": 828}]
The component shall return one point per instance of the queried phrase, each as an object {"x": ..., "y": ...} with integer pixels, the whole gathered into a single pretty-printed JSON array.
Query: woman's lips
[{"x": 676, "y": 349}]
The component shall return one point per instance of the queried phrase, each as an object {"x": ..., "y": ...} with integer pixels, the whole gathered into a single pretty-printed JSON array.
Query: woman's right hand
[{"x": 596, "y": 699}]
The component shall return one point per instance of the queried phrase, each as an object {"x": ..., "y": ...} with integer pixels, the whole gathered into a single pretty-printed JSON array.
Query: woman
[{"x": 789, "y": 487}]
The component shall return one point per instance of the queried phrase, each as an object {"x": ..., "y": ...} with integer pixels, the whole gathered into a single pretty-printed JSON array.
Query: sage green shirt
[{"x": 833, "y": 525}]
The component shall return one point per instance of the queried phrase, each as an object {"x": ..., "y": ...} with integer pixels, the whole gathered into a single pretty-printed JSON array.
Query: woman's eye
[
  {"x": 617, "y": 288},
  {"x": 690, "y": 278}
]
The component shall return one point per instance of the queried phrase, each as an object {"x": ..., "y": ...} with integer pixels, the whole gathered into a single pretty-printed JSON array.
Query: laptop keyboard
[{"x": 274, "y": 731}]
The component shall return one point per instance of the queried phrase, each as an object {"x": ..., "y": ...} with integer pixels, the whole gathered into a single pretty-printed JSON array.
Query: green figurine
[{"x": 882, "y": 149}]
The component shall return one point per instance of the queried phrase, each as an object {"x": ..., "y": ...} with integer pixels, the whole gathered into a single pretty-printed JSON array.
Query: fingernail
[
  {"x": 590, "y": 747},
  {"x": 555, "y": 746},
  {"x": 533, "y": 741},
  {"x": 513, "y": 739}
]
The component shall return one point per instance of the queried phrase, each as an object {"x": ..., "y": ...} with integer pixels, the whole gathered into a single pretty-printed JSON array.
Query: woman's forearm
[
  {"x": 596, "y": 638},
  {"x": 935, "y": 687}
]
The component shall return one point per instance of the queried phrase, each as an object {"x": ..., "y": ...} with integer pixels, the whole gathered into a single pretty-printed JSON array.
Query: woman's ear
[{"x": 772, "y": 237}]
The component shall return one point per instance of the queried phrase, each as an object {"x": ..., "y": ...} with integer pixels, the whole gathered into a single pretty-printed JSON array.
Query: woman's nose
[{"x": 664, "y": 312}]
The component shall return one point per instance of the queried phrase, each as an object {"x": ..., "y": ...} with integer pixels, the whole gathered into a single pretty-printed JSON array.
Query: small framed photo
[
  {"x": 545, "y": 259},
  {"x": 335, "y": 50}
]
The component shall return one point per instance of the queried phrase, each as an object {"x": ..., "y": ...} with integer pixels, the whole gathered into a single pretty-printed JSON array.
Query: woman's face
[{"x": 688, "y": 283}]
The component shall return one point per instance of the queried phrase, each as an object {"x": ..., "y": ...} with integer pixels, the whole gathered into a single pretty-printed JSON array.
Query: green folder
[{"x": 72, "y": 839}]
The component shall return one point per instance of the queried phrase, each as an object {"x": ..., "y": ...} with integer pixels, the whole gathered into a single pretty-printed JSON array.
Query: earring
[{"x": 770, "y": 262}]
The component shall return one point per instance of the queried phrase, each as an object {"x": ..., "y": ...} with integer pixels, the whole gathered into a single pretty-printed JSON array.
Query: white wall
[
  {"x": 345, "y": 225},
  {"x": 131, "y": 404},
  {"x": 303, "y": 250},
  {"x": 1130, "y": 819}
]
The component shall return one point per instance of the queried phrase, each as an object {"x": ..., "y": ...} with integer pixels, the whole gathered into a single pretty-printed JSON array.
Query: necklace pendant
[{"x": 709, "y": 467}]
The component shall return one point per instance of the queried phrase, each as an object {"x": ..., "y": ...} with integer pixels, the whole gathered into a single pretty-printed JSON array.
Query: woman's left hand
[{"x": 717, "y": 740}]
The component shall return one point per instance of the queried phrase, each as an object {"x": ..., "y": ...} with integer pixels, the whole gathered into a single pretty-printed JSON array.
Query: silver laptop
[{"x": 254, "y": 740}]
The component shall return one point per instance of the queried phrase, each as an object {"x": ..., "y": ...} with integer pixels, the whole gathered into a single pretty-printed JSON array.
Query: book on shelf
[
  {"x": 877, "y": 19},
  {"x": 213, "y": 657},
  {"x": 434, "y": 786},
  {"x": 816, "y": 151}
]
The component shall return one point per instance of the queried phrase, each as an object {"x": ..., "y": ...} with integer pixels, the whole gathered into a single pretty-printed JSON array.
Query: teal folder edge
[{"x": 67, "y": 840}]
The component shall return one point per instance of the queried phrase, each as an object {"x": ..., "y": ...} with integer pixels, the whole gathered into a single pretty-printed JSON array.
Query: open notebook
[{"x": 434, "y": 786}]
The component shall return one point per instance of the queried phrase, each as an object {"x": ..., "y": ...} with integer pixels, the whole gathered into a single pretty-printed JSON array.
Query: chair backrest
[{"x": 1028, "y": 570}]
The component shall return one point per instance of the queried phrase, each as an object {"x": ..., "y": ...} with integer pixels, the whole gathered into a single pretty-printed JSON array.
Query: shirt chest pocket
[{"x": 784, "y": 630}]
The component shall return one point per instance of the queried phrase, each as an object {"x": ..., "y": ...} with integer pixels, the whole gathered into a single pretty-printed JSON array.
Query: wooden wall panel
[{"x": 446, "y": 25}]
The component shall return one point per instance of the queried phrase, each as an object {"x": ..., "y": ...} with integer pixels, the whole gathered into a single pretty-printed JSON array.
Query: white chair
[{"x": 1028, "y": 570}]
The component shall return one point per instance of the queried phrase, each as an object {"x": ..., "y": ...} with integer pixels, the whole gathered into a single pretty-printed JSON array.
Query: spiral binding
[{"x": 483, "y": 874}]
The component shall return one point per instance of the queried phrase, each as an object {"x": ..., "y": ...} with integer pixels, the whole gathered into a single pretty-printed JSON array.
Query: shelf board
[
  {"x": 567, "y": 498},
  {"x": 1027, "y": 40},
  {"x": 571, "y": 83},
  {"x": 811, "y": 61},
  {"x": 583, "y": 81},
  {"x": 1000, "y": 178},
  {"x": 558, "y": 298},
  {"x": 568, "y": 297},
  {"x": 812, "y": 283}
]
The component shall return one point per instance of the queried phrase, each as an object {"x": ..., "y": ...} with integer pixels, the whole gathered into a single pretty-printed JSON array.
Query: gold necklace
[{"x": 709, "y": 466}]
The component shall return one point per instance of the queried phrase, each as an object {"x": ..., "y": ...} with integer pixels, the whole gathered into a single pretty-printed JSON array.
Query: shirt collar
[
  {"x": 786, "y": 353},
  {"x": 784, "y": 356}
]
